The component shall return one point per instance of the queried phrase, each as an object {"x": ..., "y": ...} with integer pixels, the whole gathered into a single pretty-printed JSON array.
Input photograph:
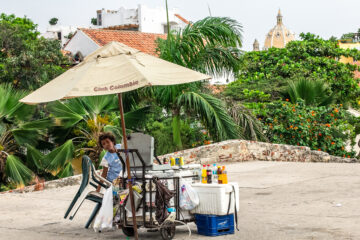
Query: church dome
[{"x": 279, "y": 35}]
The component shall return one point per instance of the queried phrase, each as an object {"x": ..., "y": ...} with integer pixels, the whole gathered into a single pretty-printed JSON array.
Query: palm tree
[
  {"x": 250, "y": 127},
  {"x": 313, "y": 92},
  {"x": 17, "y": 132},
  {"x": 79, "y": 123},
  {"x": 210, "y": 46}
]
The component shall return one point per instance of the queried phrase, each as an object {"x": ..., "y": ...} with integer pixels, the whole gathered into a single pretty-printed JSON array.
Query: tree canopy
[
  {"x": 53, "y": 21},
  {"x": 310, "y": 57},
  {"x": 27, "y": 61}
]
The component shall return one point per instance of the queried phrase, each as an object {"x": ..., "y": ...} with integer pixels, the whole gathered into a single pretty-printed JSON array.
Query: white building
[
  {"x": 85, "y": 41},
  {"x": 142, "y": 18},
  {"x": 59, "y": 32}
]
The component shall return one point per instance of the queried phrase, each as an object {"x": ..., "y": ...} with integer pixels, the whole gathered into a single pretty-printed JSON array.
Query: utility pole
[{"x": 167, "y": 18}]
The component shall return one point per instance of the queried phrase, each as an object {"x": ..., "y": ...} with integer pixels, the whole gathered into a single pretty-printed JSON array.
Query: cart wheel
[
  {"x": 128, "y": 231},
  {"x": 167, "y": 231}
]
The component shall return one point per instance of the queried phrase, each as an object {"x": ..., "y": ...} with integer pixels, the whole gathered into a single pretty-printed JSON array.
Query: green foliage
[
  {"x": 53, "y": 21},
  {"x": 333, "y": 39},
  {"x": 257, "y": 90},
  {"x": 82, "y": 120},
  {"x": 320, "y": 128},
  {"x": 191, "y": 132},
  {"x": 255, "y": 95},
  {"x": 311, "y": 57},
  {"x": 213, "y": 114},
  {"x": 349, "y": 36},
  {"x": 209, "y": 46},
  {"x": 251, "y": 128},
  {"x": 312, "y": 92},
  {"x": 94, "y": 21},
  {"x": 58, "y": 158},
  {"x": 15, "y": 132},
  {"x": 27, "y": 61},
  {"x": 70, "y": 35},
  {"x": 16, "y": 171}
]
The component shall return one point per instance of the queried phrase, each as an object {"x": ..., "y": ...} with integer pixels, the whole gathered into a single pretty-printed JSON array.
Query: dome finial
[{"x": 279, "y": 18}]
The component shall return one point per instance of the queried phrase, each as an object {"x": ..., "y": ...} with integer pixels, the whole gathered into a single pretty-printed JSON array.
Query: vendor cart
[{"x": 145, "y": 215}]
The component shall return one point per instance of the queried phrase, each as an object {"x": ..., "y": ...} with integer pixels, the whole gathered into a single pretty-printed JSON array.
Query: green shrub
[{"x": 320, "y": 128}]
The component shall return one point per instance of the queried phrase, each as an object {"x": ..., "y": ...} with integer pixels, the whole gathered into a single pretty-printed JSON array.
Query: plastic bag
[
  {"x": 189, "y": 198},
  {"x": 104, "y": 219}
]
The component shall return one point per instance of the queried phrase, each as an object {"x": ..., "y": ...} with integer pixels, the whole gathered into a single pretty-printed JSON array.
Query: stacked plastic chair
[{"x": 90, "y": 181}]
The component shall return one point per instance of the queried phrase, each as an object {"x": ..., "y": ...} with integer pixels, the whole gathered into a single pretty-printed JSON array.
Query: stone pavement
[{"x": 278, "y": 200}]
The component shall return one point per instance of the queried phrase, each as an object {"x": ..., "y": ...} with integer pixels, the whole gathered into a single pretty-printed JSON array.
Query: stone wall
[
  {"x": 242, "y": 150},
  {"x": 223, "y": 152}
]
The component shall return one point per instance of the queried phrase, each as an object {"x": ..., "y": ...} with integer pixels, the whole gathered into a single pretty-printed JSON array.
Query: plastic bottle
[
  {"x": 181, "y": 161},
  {"x": 172, "y": 161},
  {"x": 209, "y": 174},
  {"x": 219, "y": 175},
  {"x": 224, "y": 175},
  {"x": 204, "y": 174},
  {"x": 177, "y": 161},
  {"x": 214, "y": 174}
]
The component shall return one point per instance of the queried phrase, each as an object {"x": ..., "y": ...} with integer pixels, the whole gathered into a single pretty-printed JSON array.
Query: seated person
[{"x": 111, "y": 163}]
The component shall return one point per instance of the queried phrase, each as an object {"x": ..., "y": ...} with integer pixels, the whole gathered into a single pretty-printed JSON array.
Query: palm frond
[
  {"x": 10, "y": 105},
  {"x": 37, "y": 124},
  {"x": 26, "y": 136},
  {"x": 34, "y": 158},
  {"x": 249, "y": 126},
  {"x": 136, "y": 117},
  {"x": 213, "y": 114},
  {"x": 100, "y": 104},
  {"x": 57, "y": 158},
  {"x": 17, "y": 172},
  {"x": 313, "y": 92},
  {"x": 212, "y": 42},
  {"x": 67, "y": 171},
  {"x": 64, "y": 114}
]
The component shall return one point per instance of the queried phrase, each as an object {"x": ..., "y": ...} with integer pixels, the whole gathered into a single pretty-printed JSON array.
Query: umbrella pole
[{"x": 121, "y": 108}]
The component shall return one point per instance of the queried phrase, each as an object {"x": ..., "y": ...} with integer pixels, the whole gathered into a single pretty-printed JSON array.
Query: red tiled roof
[
  {"x": 133, "y": 27},
  {"x": 144, "y": 42},
  {"x": 181, "y": 18}
]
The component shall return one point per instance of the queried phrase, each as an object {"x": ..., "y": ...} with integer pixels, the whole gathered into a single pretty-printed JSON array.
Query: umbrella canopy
[{"x": 114, "y": 68}]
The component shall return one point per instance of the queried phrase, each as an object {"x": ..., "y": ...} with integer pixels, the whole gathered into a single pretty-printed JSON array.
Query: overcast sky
[{"x": 323, "y": 17}]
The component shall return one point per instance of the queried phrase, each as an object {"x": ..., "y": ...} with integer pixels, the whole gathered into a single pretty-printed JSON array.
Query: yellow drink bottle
[
  {"x": 172, "y": 161},
  {"x": 224, "y": 177},
  {"x": 219, "y": 175},
  {"x": 181, "y": 162},
  {"x": 203, "y": 174}
]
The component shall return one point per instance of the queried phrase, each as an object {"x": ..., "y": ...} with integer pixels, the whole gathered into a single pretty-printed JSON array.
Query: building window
[
  {"x": 99, "y": 20},
  {"x": 59, "y": 35}
]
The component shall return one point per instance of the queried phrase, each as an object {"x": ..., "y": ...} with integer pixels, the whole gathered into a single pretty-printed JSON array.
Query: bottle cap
[{"x": 171, "y": 210}]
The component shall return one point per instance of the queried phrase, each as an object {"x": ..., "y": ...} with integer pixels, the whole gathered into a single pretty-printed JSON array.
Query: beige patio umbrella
[{"x": 113, "y": 69}]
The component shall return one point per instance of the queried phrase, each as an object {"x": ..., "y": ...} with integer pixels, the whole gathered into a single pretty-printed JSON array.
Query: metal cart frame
[{"x": 150, "y": 224}]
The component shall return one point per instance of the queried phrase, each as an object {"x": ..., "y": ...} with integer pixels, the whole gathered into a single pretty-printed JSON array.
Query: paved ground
[{"x": 277, "y": 201}]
